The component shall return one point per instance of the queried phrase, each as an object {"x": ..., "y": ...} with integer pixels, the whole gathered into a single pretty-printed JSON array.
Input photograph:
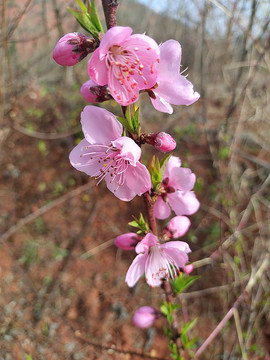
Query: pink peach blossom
[
  {"x": 144, "y": 317},
  {"x": 124, "y": 62},
  {"x": 105, "y": 154},
  {"x": 157, "y": 261},
  {"x": 176, "y": 191},
  {"x": 172, "y": 87}
]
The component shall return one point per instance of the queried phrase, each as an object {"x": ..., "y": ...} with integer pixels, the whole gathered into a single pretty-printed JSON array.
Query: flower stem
[{"x": 110, "y": 8}]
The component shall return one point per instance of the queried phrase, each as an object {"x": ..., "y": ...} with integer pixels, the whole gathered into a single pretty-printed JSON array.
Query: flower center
[
  {"x": 163, "y": 265},
  {"x": 111, "y": 163},
  {"x": 124, "y": 65}
]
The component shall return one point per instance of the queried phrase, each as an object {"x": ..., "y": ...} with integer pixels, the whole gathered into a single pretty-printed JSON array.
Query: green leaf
[
  {"x": 182, "y": 282},
  {"x": 140, "y": 224},
  {"x": 82, "y": 6},
  {"x": 85, "y": 21},
  {"x": 155, "y": 173},
  {"x": 126, "y": 123},
  {"x": 94, "y": 15},
  {"x": 164, "y": 309},
  {"x": 188, "y": 326},
  {"x": 135, "y": 119}
]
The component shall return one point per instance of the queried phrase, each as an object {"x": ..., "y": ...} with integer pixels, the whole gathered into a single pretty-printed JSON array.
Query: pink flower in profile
[
  {"x": 172, "y": 87},
  {"x": 94, "y": 93},
  {"x": 177, "y": 227},
  {"x": 127, "y": 241},
  {"x": 124, "y": 62},
  {"x": 72, "y": 48},
  {"x": 144, "y": 317},
  {"x": 157, "y": 261},
  {"x": 176, "y": 191},
  {"x": 162, "y": 141},
  {"x": 104, "y": 154}
]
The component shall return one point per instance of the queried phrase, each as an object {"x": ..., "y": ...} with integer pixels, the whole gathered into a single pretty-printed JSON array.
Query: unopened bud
[
  {"x": 144, "y": 317},
  {"x": 188, "y": 268},
  {"x": 177, "y": 227},
  {"x": 94, "y": 93},
  {"x": 72, "y": 48},
  {"x": 162, "y": 141},
  {"x": 127, "y": 241}
]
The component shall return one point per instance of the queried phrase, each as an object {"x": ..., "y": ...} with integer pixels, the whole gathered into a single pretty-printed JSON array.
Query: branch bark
[{"x": 110, "y": 9}]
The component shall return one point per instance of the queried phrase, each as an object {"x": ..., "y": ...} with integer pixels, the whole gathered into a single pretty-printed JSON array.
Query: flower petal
[
  {"x": 161, "y": 209},
  {"x": 147, "y": 49},
  {"x": 161, "y": 104},
  {"x": 170, "y": 59},
  {"x": 138, "y": 179},
  {"x": 99, "y": 125},
  {"x": 178, "y": 245},
  {"x": 136, "y": 269},
  {"x": 129, "y": 150},
  {"x": 177, "y": 257},
  {"x": 184, "y": 203},
  {"x": 114, "y": 36},
  {"x": 144, "y": 245},
  {"x": 182, "y": 178},
  {"x": 173, "y": 162},
  {"x": 97, "y": 69},
  {"x": 81, "y": 161},
  {"x": 177, "y": 92}
]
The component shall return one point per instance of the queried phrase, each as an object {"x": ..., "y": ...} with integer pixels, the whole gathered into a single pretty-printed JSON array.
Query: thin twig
[
  {"x": 22, "y": 222},
  {"x": 254, "y": 278}
]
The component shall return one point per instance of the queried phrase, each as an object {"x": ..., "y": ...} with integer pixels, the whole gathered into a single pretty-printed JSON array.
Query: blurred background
[{"x": 62, "y": 289}]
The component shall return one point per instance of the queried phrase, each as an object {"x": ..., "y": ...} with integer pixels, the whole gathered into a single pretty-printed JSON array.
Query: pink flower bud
[
  {"x": 72, "y": 48},
  {"x": 94, "y": 93},
  {"x": 177, "y": 227},
  {"x": 188, "y": 268},
  {"x": 162, "y": 141},
  {"x": 144, "y": 317},
  {"x": 127, "y": 241}
]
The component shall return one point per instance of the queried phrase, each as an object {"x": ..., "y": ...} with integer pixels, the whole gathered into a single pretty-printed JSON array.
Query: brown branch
[
  {"x": 110, "y": 9},
  {"x": 150, "y": 212}
]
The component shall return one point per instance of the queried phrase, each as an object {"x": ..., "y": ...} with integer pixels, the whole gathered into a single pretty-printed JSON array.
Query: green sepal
[
  {"x": 155, "y": 172},
  {"x": 140, "y": 224},
  {"x": 182, "y": 282}
]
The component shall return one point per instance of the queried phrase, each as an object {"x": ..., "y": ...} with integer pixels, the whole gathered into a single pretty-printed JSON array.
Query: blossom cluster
[{"x": 122, "y": 66}]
